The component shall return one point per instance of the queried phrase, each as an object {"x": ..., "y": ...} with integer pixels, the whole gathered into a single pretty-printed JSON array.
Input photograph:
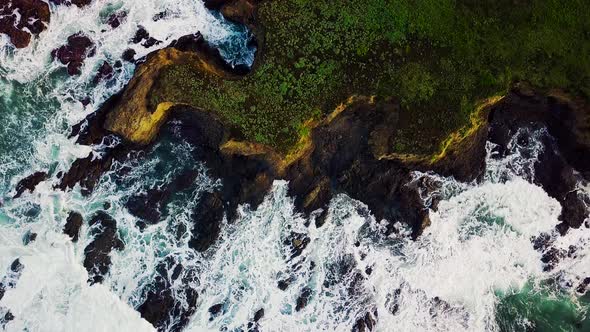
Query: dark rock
[
  {"x": 30, "y": 183},
  {"x": 321, "y": 219},
  {"x": 148, "y": 206},
  {"x": 207, "y": 217},
  {"x": 29, "y": 237},
  {"x": 216, "y": 309},
  {"x": 90, "y": 131},
  {"x": 581, "y": 289},
  {"x": 189, "y": 43},
  {"x": 142, "y": 35},
  {"x": 164, "y": 308},
  {"x": 33, "y": 17},
  {"x": 115, "y": 19},
  {"x": 73, "y": 54},
  {"x": 6, "y": 319},
  {"x": 105, "y": 72},
  {"x": 240, "y": 11},
  {"x": 73, "y": 224},
  {"x": 11, "y": 277},
  {"x": 560, "y": 164},
  {"x": 344, "y": 162},
  {"x": 151, "y": 41},
  {"x": 215, "y": 4},
  {"x": 159, "y": 16},
  {"x": 259, "y": 315},
  {"x": 284, "y": 284},
  {"x": 303, "y": 299},
  {"x": 97, "y": 258},
  {"x": 78, "y": 3},
  {"x": 129, "y": 55},
  {"x": 365, "y": 323}
]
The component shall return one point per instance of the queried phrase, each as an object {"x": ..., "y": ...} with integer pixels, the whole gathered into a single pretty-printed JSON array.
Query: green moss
[{"x": 437, "y": 57}]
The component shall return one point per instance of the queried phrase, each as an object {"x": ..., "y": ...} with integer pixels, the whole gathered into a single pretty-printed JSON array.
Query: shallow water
[{"x": 474, "y": 268}]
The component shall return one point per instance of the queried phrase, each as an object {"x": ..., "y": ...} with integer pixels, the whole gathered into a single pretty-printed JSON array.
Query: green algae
[{"x": 436, "y": 57}]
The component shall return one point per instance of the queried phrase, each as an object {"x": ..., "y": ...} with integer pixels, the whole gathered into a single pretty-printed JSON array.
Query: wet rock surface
[
  {"x": 73, "y": 224},
  {"x": 30, "y": 183},
  {"x": 163, "y": 306},
  {"x": 78, "y": 48},
  {"x": 20, "y": 19},
  {"x": 79, "y": 3},
  {"x": 97, "y": 258},
  {"x": 563, "y": 161}
]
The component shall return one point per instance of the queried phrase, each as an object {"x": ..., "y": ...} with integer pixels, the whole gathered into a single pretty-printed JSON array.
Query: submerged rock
[
  {"x": 19, "y": 19},
  {"x": 97, "y": 260}
]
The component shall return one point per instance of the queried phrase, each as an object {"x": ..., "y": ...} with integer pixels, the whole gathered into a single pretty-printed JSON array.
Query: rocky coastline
[{"x": 349, "y": 151}]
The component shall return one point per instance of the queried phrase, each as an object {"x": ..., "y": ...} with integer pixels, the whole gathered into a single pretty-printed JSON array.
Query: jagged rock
[
  {"x": 142, "y": 35},
  {"x": 207, "y": 222},
  {"x": 79, "y": 3},
  {"x": 365, "y": 323},
  {"x": 259, "y": 315},
  {"x": 30, "y": 183},
  {"x": 564, "y": 153},
  {"x": 105, "y": 72},
  {"x": 73, "y": 224},
  {"x": 303, "y": 299},
  {"x": 78, "y": 48},
  {"x": 29, "y": 237},
  {"x": 32, "y": 18},
  {"x": 129, "y": 55},
  {"x": 215, "y": 310},
  {"x": 163, "y": 308},
  {"x": 115, "y": 19},
  {"x": 97, "y": 260}
]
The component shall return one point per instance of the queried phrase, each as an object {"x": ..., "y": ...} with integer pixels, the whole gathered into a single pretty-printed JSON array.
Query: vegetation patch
[{"x": 436, "y": 57}]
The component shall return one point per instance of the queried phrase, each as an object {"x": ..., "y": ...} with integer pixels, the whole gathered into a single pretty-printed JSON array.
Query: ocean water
[{"x": 474, "y": 269}]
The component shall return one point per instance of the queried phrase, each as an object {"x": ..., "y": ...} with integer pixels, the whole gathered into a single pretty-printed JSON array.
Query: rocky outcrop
[
  {"x": 133, "y": 117},
  {"x": 21, "y": 19},
  {"x": 30, "y": 183},
  {"x": 563, "y": 161},
  {"x": 73, "y": 224},
  {"x": 78, "y": 48},
  {"x": 165, "y": 309},
  {"x": 97, "y": 259}
]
